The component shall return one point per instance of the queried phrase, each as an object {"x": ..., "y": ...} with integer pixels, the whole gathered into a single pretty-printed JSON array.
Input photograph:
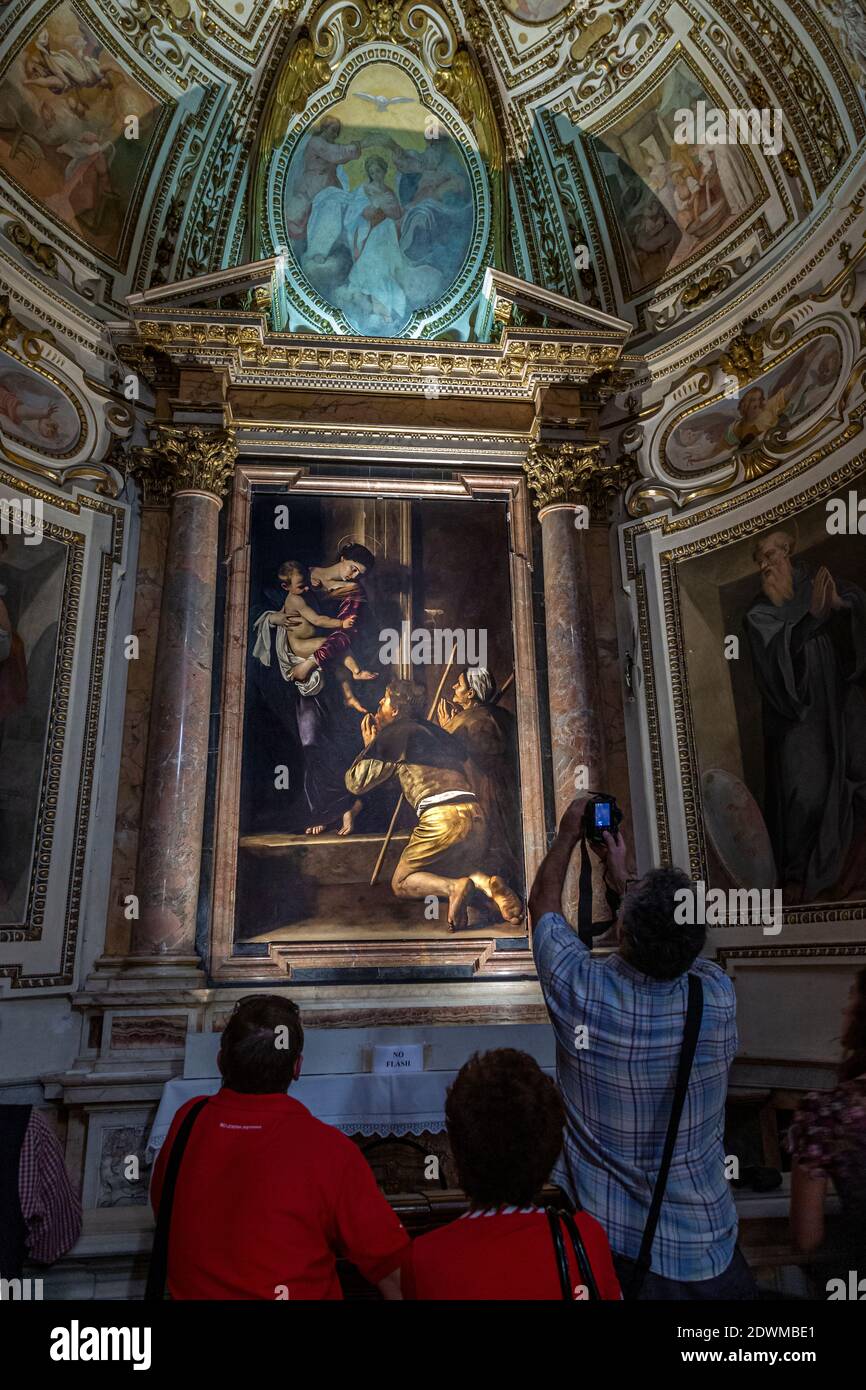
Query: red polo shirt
[
  {"x": 267, "y": 1198},
  {"x": 503, "y": 1253}
]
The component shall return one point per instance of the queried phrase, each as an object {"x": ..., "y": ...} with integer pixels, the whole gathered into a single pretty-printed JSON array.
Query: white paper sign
[{"x": 396, "y": 1057}]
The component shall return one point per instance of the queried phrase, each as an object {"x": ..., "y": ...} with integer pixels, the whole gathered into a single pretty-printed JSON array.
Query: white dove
[{"x": 382, "y": 103}]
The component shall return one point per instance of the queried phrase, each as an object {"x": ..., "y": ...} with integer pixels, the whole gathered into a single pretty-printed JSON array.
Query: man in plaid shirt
[
  {"x": 619, "y": 1022},
  {"x": 40, "y": 1214}
]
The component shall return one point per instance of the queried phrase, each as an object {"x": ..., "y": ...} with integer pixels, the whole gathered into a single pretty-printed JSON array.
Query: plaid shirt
[
  {"x": 51, "y": 1209},
  {"x": 617, "y": 1082}
]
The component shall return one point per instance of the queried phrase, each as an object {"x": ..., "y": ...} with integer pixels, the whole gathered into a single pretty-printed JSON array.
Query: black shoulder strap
[
  {"x": 694, "y": 1013},
  {"x": 156, "y": 1274},
  {"x": 587, "y": 930},
  {"x": 584, "y": 1268}
]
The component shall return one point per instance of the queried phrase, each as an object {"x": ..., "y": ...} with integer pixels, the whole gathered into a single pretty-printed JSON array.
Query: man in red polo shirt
[{"x": 267, "y": 1196}]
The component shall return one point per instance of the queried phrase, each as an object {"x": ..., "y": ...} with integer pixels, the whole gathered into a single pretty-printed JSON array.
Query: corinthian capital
[
  {"x": 184, "y": 458},
  {"x": 574, "y": 474}
]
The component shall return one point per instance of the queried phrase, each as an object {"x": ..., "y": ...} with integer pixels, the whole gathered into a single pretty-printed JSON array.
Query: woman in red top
[{"x": 505, "y": 1120}]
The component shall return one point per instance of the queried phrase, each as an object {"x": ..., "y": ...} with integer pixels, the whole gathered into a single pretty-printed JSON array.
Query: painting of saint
[
  {"x": 378, "y": 208},
  {"x": 34, "y": 411},
  {"x": 669, "y": 200},
  {"x": 31, "y": 592},
  {"x": 66, "y": 112},
  {"x": 807, "y": 638},
  {"x": 776, "y": 401},
  {"x": 397, "y": 810},
  {"x": 787, "y": 719}
]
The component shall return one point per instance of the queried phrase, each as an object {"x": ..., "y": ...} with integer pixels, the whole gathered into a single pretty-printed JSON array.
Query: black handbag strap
[
  {"x": 694, "y": 1013},
  {"x": 158, "y": 1271},
  {"x": 587, "y": 1278}
]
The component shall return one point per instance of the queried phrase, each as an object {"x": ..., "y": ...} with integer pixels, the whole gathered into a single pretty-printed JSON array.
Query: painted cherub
[{"x": 303, "y": 639}]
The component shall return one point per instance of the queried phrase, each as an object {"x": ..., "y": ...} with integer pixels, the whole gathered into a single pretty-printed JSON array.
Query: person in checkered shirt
[
  {"x": 40, "y": 1214},
  {"x": 619, "y": 1021}
]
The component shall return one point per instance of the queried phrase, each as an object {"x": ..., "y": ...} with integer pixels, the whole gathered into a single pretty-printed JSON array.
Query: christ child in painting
[{"x": 305, "y": 642}]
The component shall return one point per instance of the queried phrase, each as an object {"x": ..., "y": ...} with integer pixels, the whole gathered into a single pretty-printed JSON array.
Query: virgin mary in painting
[{"x": 316, "y": 711}]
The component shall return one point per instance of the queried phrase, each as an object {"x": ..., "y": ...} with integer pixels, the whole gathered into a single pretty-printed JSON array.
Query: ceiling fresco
[{"x": 146, "y": 141}]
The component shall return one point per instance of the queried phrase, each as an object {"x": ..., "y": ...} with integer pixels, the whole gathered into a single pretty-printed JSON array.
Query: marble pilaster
[
  {"x": 572, "y": 485},
  {"x": 193, "y": 466}
]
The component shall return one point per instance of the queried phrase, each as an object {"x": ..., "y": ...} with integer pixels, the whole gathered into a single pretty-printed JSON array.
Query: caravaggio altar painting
[
  {"x": 780, "y": 725},
  {"x": 378, "y": 211},
  {"x": 33, "y": 409},
  {"x": 767, "y": 410},
  {"x": 65, "y": 105},
  {"x": 672, "y": 201},
  {"x": 356, "y": 594},
  {"x": 31, "y": 596}
]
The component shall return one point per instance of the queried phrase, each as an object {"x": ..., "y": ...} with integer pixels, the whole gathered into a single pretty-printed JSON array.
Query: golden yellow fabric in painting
[{"x": 449, "y": 839}]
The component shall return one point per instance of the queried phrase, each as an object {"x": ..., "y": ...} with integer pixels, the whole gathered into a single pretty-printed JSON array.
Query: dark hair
[
  {"x": 293, "y": 567},
  {"x": 652, "y": 940},
  {"x": 253, "y": 1056},
  {"x": 505, "y": 1121},
  {"x": 406, "y": 697},
  {"x": 359, "y": 553},
  {"x": 854, "y": 1038}
]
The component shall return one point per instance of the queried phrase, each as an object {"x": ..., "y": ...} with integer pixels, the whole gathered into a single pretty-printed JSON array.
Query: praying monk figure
[
  {"x": 807, "y": 635},
  {"x": 447, "y": 848}
]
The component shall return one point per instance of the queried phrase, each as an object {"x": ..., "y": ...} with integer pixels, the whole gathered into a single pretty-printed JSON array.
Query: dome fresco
[{"x": 148, "y": 152}]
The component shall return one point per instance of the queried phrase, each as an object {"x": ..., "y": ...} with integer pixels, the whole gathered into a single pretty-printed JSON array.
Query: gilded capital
[
  {"x": 576, "y": 474},
  {"x": 179, "y": 458}
]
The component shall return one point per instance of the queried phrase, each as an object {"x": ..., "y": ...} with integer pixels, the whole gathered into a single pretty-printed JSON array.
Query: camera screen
[{"x": 602, "y": 815}]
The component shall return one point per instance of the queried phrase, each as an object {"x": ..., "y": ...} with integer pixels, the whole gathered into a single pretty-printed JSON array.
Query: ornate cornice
[
  {"x": 573, "y": 473},
  {"x": 184, "y": 458}
]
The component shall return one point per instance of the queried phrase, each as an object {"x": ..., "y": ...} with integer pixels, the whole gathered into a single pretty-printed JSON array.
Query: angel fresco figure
[{"x": 26, "y": 417}]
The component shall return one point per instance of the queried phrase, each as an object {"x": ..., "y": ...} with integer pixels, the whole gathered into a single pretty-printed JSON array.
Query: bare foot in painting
[
  {"x": 460, "y": 890},
  {"x": 508, "y": 903},
  {"x": 352, "y": 702},
  {"x": 348, "y": 823},
  {"x": 315, "y": 830}
]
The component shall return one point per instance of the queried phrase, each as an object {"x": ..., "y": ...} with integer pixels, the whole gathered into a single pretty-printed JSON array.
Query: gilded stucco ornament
[
  {"x": 744, "y": 355},
  {"x": 12, "y": 330},
  {"x": 181, "y": 459},
  {"x": 572, "y": 473}
]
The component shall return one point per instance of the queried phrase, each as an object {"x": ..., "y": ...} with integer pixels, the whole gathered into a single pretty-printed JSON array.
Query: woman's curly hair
[{"x": 505, "y": 1121}]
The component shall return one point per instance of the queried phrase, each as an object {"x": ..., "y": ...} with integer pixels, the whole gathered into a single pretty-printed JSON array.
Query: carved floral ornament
[
  {"x": 180, "y": 459},
  {"x": 573, "y": 473}
]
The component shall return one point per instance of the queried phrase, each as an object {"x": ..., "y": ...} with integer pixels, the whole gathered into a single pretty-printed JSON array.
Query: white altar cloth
[{"x": 356, "y": 1103}]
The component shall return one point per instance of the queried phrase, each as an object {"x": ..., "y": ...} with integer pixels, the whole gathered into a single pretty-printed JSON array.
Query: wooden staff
[
  {"x": 502, "y": 689},
  {"x": 386, "y": 842}
]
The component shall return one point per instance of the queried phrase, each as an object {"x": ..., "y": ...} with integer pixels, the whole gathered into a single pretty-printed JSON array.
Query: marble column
[
  {"x": 194, "y": 465},
  {"x": 571, "y": 485}
]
